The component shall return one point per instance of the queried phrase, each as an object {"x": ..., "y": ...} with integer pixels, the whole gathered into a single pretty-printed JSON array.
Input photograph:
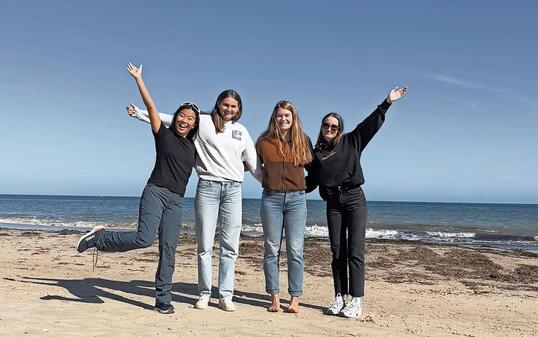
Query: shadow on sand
[{"x": 93, "y": 290}]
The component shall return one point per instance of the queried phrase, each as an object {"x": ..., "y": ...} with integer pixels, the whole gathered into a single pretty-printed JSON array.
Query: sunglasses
[
  {"x": 328, "y": 126},
  {"x": 190, "y": 105}
]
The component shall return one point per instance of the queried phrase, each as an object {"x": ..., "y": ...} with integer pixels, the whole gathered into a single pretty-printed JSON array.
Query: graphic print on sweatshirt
[{"x": 236, "y": 134}]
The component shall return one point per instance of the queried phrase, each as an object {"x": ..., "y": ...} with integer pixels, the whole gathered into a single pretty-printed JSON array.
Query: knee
[
  {"x": 338, "y": 254},
  {"x": 335, "y": 250},
  {"x": 295, "y": 249},
  {"x": 144, "y": 241}
]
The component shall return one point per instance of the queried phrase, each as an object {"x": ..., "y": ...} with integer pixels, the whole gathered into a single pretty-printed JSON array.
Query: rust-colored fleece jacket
[{"x": 279, "y": 173}]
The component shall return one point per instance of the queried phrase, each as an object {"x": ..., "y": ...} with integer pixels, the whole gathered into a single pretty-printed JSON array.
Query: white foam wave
[
  {"x": 313, "y": 231},
  {"x": 50, "y": 223},
  {"x": 451, "y": 235},
  {"x": 252, "y": 230},
  {"x": 391, "y": 234},
  {"x": 316, "y": 231},
  {"x": 381, "y": 234}
]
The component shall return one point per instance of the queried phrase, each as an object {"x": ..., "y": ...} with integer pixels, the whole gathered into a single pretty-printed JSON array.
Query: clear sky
[{"x": 467, "y": 130}]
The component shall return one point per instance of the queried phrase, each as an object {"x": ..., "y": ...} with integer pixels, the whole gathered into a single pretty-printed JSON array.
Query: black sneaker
[
  {"x": 164, "y": 308},
  {"x": 88, "y": 240}
]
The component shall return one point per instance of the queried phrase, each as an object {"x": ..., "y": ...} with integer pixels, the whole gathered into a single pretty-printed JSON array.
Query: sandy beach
[{"x": 412, "y": 289}]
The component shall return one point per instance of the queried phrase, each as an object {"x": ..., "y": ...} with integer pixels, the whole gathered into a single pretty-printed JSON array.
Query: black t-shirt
[{"x": 176, "y": 156}]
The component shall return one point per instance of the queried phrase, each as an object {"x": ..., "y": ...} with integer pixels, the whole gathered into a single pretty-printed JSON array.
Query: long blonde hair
[{"x": 301, "y": 151}]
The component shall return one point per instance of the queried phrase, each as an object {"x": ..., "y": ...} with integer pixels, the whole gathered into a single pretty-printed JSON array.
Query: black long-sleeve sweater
[{"x": 339, "y": 165}]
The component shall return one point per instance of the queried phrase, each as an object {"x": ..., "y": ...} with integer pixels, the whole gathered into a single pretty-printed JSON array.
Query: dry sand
[{"x": 47, "y": 289}]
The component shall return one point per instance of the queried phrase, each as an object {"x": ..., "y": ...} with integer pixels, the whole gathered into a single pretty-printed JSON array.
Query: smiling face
[
  {"x": 228, "y": 107},
  {"x": 329, "y": 128},
  {"x": 185, "y": 122},
  {"x": 284, "y": 119}
]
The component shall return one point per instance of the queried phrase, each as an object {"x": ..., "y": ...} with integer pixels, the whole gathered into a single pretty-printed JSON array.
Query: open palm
[
  {"x": 397, "y": 93},
  {"x": 134, "y": 71}
]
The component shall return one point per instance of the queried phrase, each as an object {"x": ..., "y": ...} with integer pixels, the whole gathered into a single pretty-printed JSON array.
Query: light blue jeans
[
  {"x": 283, "y": 212},
  {"x": 218, "y": 204}
]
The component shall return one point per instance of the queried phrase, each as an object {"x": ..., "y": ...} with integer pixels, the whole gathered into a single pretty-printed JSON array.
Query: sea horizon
[{"x": 252, "y": 198}]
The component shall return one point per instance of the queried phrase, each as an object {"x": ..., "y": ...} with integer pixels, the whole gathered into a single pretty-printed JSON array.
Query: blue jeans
[
  {"x": 283, "y": 211},
  {"x": 218, "y": 204},
  {"x": 160, "y": 212}
]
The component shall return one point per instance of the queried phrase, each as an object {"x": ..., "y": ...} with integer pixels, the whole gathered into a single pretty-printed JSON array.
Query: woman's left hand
[
  {"x": 396, "y": 93},
  {"x": 134, "y": 71}
]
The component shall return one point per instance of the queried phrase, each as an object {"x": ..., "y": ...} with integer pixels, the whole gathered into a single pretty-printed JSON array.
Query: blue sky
[{"x": 466, "y": 131}]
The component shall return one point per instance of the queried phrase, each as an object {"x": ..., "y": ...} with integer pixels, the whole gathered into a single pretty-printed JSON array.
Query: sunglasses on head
[
  {"x": 190, "y": 105},
  {"x": 328, "y": 126}
]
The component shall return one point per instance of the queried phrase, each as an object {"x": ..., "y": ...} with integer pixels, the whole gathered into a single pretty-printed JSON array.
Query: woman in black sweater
[{"x": 337, "y": 171}]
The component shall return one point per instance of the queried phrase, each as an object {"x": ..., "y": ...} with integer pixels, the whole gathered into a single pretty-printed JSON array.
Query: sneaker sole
[
  {"x": 223, "y": 307},
  {"x": 93, "y": 231},
  {"x": 165, "y": 312},
  {"x": 346, "y": 316},
  {"x": 227, "y": 309},
  {"x": 201, "y": 306},
  {"x": 332, "y": 313}
]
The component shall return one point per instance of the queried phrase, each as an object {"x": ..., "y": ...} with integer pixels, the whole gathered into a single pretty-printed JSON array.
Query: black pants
[{"x": 346, "y": 218}]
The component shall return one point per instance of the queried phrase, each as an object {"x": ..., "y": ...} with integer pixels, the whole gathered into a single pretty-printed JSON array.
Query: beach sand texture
[{"x": 412, "y": 289}]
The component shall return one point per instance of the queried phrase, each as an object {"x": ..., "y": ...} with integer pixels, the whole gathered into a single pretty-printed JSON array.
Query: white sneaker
[
  {"x": 226, "y": 304},
  {"x": 336, "y": 305},
  {"x": 203, "y": 301},
  {"x": 353, "y": 308}
]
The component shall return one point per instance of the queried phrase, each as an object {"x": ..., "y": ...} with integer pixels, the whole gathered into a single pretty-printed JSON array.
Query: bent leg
[{"x": 149, "y": 217}]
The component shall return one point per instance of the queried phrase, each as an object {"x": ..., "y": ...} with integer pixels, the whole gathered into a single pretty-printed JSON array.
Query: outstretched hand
[
  {"x": 130, "y": 109},
  {"x": 134, "y": 71},
  {"x": 396, "y": 93}
]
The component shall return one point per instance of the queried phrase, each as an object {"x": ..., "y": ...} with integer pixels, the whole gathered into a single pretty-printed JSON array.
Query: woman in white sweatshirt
[{"x": 222, "y": 145}]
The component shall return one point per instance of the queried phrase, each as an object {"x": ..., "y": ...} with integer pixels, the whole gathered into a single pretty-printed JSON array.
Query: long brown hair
[
  {"x": 301, "y": 151},
  {"x": 216, "y": 117}
]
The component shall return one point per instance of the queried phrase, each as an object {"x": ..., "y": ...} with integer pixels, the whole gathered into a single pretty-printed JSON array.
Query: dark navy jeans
[
  {"x": 346, "y": 219},
  {"x": 160, "y": 213}
]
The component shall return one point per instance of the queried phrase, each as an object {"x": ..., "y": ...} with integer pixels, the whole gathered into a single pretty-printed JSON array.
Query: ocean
[{"x": 513, "y": 226}]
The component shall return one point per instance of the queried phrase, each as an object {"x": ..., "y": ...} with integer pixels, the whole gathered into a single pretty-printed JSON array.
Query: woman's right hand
[
  {"x": 134, "y": 71},
  {"x": 130, "y": 109}
]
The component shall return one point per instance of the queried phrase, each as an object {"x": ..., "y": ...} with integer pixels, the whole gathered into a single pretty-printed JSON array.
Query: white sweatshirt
[{"x": 220, "y": 155}]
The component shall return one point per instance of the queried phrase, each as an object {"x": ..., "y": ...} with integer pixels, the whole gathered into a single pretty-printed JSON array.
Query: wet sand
[{"x": 412, "y": 289}]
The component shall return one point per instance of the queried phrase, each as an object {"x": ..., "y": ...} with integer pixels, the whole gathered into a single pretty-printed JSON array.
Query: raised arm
[
  {"x": 154, "y": 119},
  {"x": 366, "y": 130},
  {"x": 143, "y": 115}
]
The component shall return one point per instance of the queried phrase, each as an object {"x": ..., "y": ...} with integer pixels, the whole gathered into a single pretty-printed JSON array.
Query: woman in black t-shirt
[{"x": 161, "y": 202}]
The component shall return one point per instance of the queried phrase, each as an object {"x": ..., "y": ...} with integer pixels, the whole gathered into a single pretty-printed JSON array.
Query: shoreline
[{"x": 530, "y": 246}]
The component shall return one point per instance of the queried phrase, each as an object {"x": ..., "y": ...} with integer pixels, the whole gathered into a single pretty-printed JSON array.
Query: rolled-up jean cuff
[{"x": 272, "y": 291}]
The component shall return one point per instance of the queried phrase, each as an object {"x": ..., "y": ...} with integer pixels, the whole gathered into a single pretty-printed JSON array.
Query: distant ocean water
[{"x": 502, "y": 225}]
